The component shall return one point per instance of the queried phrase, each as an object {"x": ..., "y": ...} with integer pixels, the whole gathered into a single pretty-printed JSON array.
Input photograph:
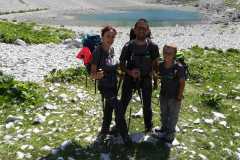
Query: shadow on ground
[{"x": 143, "y": 150}]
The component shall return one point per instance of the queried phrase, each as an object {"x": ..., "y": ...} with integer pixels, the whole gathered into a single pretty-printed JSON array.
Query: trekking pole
[
  {"x": 129, "y": 118},
  {"x": 103, "y": 105}
]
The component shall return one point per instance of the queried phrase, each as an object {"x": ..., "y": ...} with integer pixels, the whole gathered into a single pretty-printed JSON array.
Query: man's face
[{"x": 141, "y": 30}]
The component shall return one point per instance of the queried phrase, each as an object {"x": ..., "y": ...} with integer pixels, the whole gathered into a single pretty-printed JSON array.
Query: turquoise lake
[{"x": 160, "y": 17}]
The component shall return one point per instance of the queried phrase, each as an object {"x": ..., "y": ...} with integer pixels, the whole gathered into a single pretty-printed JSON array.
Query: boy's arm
[{"x": 181, "y": 89}]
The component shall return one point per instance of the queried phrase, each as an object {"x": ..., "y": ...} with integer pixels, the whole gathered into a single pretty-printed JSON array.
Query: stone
[
  {"x": 50, "y": 107},
  {"x": 203, "y": 157},
  {"x": 46, "y": 148},
  {"x": 139, "y": 114},
  {"x": 12, "y": 118},
  {"x": 217, "y": 116},
  {"x": 65, "y": 144},
  {"x": 20, "y": 42},
  {"x": 39, "y": 119},
  {"x": 20, "y": 155}
]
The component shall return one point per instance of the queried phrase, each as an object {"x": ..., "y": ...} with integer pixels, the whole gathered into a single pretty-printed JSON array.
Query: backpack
[
  {"x": 181, "y": 59},
  {"x": 90, "y": 42},
  {"x": 134, "y": 60}
]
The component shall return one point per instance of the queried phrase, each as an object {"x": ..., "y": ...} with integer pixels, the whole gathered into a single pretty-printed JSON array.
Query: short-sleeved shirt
[
  {"x": 106, "y": 61},
  {"x": 170, "y": 78},
  {"x": 139, "y": 56}
]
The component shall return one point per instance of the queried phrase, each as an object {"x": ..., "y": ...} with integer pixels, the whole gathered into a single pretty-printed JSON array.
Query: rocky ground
[{"x": 32, "y": 62}]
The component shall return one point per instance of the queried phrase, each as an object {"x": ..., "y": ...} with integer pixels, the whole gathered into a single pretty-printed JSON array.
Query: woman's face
[{"x": 108, "y": 38}]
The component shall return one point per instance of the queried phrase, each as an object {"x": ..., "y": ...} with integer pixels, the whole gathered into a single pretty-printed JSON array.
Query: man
[{"x": 138, "y": 60}]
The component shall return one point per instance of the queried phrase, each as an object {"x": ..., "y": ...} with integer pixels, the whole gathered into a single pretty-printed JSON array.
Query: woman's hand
[{"x": 99, "y": 75}]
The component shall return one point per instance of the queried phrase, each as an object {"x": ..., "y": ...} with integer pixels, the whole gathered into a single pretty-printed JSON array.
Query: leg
[
  {"x": 164, "y": 113},
  {"x": 174, "y": 109},
  {"x": 146, "y": 86}
]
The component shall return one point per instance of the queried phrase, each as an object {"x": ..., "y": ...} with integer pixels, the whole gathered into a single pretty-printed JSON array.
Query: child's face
[
  {"x": 108, "y": 38},
  {"x": 169, "y": 54}
]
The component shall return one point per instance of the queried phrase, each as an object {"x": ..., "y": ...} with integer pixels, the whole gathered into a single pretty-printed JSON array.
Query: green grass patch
[{"x": 32, "y": 33}]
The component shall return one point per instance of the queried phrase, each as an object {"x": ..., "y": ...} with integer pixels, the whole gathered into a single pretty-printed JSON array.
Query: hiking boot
[
  {"x": 114, "y": 131},
  {"x": 160, "y": 134},
  {"x": 127, "y": 140},
  {"x": 148, "y": 131},
  {"x": 101, "y": 137}
]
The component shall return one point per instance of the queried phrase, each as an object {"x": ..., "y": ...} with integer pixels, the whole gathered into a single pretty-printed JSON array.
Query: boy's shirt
[{"x": 170, "y": 79}]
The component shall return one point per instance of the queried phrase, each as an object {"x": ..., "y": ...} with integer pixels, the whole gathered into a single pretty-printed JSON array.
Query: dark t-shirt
[
  {"x": 139, "y": 56},
  {"x": 170, "y": 79},
  {"x": 108, "y": 64}
]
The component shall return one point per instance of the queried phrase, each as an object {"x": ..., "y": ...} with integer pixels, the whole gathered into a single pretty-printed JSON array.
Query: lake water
[{"x": 160, "y": 17}]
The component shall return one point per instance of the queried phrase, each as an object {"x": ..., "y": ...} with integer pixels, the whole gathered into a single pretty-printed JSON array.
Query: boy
[{"x": 172, "y": 77}]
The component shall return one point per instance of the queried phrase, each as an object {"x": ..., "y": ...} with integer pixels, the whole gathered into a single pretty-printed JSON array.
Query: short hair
[
  {"x": 172, "y": 46},
  {"x": 106, "y": 29},
  {"x": 141, "y": 20}
]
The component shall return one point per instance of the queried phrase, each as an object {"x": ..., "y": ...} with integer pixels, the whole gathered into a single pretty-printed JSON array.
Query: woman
[{"x": 104, "y": 69}]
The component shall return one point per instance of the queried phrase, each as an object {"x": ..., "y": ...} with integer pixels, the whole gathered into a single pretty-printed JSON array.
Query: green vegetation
[
  {"x": 32, "y": 34},
  {"x": 24, "y": 11},
  {"x": 214, "y": 86}
]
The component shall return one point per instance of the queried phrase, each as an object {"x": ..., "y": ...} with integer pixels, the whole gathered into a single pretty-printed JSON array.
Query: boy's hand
[
  {"x": 135, "y": 73},
  {"x": 180, "y": 97}
]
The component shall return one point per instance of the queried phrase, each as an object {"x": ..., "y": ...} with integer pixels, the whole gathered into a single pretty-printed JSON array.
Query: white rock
[
  {"x": 50, "y": 107},
  {"x": 60, "y": 158},
  {"x": 46, "y": 148},
  {"x": 139, "y": 114},
  {"x": 175, "y": 142},
  {"x": 70, "y": 158},
  {"x": 197, "y": 121},
  {"x": 28, "y": 155},
  {"x": 223, "y": 123},
  {"x": 12, "y": 118},
  {"x": 39, "y": 119},
  {"x": 217, "y": 116},
  {"x": 9, "y": 125},
  {"x": 208, "y": 121},
  {"x": 36, "y": 130},
  {"x": 237, "y": 98},
  {"x": 20, "y": 42},
  {"x": 105, "y": 156},
  {"x": 238, "y": 155},
  {"x": 20, "y": 155},
  {"x": 194, "y": 109},
  {"x": 7, "y": 137},
  {"x": 212, "y": 145},
  {"x": 27, "y": 147},
  {"x": 202, "y": 157},
  {"x": 236, "y": 134},
  {"x": 198, "y": 130},
  {"x": 228, "y": 151},
  {"x": 66, "y": 144}
]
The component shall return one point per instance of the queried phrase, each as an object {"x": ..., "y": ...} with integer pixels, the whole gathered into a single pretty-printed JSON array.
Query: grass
[
  {"x": 32, "y": 34},
  {"x": 23, "y": 11},
  {"x": 78, "y": 119}
]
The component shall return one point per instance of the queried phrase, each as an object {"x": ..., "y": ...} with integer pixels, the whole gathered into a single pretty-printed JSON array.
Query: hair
[
  {"x": 141, "y": 20},
  {"x": 106, "y": 29},
  {"x": 172, "y": 46}
]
